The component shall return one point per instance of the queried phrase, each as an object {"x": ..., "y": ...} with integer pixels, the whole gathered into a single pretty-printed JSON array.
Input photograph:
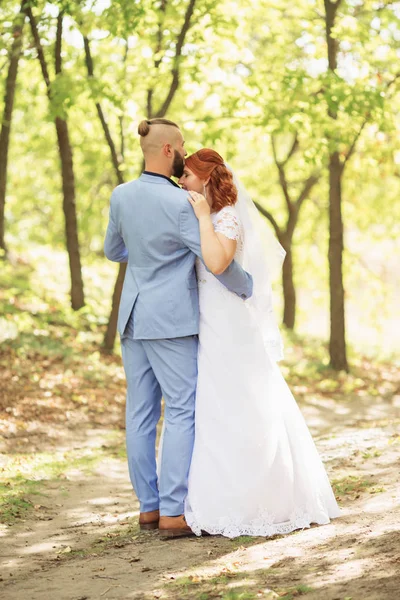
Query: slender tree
[
  {"x": 67, "y": 167},
  {"x": 337, "y": 341},
  {"x": 109, "y": 339},
  {"x": 285, "y": 234},
  {"x": 15, "y": 53},
  {"x": 117, "y": 159}
]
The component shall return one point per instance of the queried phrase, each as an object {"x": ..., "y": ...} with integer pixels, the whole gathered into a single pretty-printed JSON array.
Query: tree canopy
[{"x": 280, "y": 91}]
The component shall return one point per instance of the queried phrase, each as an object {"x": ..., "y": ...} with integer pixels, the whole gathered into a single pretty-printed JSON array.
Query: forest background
[{"x": 301, "y": 98}]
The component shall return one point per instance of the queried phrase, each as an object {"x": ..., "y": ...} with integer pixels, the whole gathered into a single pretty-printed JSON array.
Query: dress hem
[{"x": 267, "y": 529}]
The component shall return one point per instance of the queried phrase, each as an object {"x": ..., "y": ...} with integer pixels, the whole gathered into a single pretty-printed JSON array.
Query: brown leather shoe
[
  {"x": 174, "y": 527},
  {"x": 149, "y": 520}
]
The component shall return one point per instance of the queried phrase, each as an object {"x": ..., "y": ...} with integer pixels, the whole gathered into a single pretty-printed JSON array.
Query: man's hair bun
[{"x": 144, "y": 128}]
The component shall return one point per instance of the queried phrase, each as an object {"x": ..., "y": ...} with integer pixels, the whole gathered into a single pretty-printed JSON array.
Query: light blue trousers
[{"x": 155, "y": 369}]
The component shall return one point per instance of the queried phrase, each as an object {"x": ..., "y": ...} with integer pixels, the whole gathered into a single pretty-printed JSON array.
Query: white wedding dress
[{"x": 255, "y": 469}]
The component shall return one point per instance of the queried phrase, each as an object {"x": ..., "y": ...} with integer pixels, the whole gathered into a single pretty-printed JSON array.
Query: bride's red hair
[{"x": 207, "y": 163}]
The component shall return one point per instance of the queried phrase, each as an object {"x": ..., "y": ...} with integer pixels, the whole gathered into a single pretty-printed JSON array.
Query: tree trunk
[
  {"x": 289, "y": 291},
  {"x": 9, "y": 95},
  {"x": 111, "y": 332},
  {"x": 337, "y": 343},
  {"x": 69, "y": 208},
  {"x": 109, "y": 338},
  {"x": 67, "y": 167},
  {"x": 68, "y": 185}
]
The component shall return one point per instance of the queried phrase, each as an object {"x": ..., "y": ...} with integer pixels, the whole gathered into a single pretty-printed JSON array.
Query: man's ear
[{"x": 167, "y": 150}]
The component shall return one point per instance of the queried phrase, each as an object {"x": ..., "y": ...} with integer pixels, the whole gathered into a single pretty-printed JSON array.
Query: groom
[{"x": 153, "y": 228}]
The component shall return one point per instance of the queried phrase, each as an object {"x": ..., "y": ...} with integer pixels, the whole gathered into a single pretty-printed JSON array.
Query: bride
[{"x": 255, "y": 469}]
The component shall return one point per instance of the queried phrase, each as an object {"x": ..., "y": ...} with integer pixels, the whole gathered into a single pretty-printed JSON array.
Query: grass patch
[
  {"x": 189, "y": 581},
  {"x": 230, "y": 585},
  {"x": 243, "y": 539},
  {"x": 371, "y": 454},
  {"x": 15, "y": 501},
  {"x": 292, "y": 593},
  {"x": 306, "y": 368},
  {"x": 25, "y": 475},
  {"x": 197, "y": 587},
  {"x": 377, "y": 490},
  {"x": 350, "y": 485}
]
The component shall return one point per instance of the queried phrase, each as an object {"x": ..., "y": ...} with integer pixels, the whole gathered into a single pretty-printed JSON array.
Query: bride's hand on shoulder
[{"x": 200, "y": 205}]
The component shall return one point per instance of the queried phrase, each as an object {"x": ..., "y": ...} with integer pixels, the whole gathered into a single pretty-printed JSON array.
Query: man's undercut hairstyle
[
  {"x": 155, "y": 133},
  {"x": 145, "y": 125}
]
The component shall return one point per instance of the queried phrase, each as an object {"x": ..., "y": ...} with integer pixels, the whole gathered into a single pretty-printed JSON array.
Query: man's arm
[
  {"x": 234, "y": 278},
  {"x": 114, "y": 245}
]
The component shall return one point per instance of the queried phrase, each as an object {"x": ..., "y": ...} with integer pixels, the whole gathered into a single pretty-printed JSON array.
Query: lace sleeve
[{"x": 227, "y": 223}]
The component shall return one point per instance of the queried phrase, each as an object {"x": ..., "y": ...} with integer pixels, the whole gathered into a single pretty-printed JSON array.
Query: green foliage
[
  {"x": 243, "y": 77},
  {"x": 292, "y": 593}
]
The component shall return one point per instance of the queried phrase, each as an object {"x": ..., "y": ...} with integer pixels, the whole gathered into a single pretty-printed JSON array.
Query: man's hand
[{"x": 200, "y": 205}]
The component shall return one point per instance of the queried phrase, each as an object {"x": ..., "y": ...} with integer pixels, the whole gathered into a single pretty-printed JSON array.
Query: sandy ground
[{"x": 81, "y": 540}]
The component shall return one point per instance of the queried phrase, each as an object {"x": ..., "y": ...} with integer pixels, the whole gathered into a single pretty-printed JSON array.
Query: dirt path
[{"x": 80, "y": 540}]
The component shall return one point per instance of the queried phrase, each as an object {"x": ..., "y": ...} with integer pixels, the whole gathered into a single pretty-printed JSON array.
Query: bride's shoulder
[{"x": 227, "y": 221}]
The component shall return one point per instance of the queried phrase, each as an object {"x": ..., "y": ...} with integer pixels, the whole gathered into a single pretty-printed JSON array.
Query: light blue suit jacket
[{"x": 153, "y": 227}]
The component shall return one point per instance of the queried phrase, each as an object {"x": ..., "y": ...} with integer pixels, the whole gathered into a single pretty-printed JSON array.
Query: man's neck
[{"x": 156, "y": 168}]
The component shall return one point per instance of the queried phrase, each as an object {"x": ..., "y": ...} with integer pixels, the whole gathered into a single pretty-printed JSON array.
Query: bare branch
[
  {"x": 150, "y": 103},
  {"x": 282, "y": 177},
  {"x": 162, "y": 10},
  {"x": 88, "y": 56},
  {"x": 122, "y": 136},
  {"x": 58, "y": 46},
  {"x": 39, "y": 48},
  {"x": 292, "y": 150},
  {"x": 5, "y": 63},
  {"x": 114, "y": 156},
  {"x": 157, "y": 53},
  {"x": 308, "y": 185},
  {"x": 353, "y": 144},
  {"x": 265, "y": 213},
  {"x": 274, "y": 150},
  {"x": 185, "y": 28},
  {"x": 121, "y": 117},
  {"x": 178, "y": 53}
]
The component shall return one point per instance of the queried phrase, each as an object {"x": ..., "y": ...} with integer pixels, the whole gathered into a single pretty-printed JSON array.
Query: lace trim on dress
[
  {"x": 227, "y": 223},
  {"x": 263, "y": 525}
]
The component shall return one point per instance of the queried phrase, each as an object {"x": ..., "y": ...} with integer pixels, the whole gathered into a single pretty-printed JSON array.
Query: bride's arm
[{"x": 217, "y": 250}]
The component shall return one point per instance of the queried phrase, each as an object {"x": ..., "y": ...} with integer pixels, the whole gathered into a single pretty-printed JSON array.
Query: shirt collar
[{"x": 163, "y": 176}]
